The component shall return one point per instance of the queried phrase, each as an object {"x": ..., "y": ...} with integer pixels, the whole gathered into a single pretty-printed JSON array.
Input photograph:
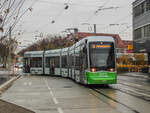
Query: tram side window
[
  {"x": 64, "y": 61},
  {"x": 72, "y": 60},
  {"x": 57, "y": 62},
  {"x": 36, "y": 62},
  {"x": 47, "y": 62},
  {"x": 77, "y": 60}
]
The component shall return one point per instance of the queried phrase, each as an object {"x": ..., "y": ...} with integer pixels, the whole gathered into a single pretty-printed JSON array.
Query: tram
[
  {"x": 92, "y": 60},
  {"x": 34, "y": 62}
]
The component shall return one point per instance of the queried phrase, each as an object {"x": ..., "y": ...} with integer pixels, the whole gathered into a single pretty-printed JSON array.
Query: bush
[{"x": 122, "y": 69}]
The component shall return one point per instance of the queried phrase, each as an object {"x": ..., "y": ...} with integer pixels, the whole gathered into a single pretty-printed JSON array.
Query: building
[
  {"x": 141, "y": 27},
  {"x": 122, "y": 45}
]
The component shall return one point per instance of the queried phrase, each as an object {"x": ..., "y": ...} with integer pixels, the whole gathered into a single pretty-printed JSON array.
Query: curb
[{"x": 7, "y": 84}]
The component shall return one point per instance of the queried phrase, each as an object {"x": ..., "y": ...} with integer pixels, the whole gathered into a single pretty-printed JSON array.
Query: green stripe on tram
[{"x": 102, "y": 77}]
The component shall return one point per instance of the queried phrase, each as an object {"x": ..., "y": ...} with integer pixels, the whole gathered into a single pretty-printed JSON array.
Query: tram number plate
[
  {"x": 104, "y": 80},
  {"x": 104, "y": 75}
]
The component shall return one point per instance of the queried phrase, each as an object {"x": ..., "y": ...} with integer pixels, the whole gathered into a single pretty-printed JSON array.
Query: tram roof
[
  {"x": 99, "y": 38},
  {"x": 33, "y": 53},
  {"x": 57, "y": 51}
]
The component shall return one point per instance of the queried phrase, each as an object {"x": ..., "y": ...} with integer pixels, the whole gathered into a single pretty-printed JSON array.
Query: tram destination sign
[{"x": 100, "y": 46}]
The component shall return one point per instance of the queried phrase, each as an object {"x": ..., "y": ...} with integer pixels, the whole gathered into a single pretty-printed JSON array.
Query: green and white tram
[{"x": 92, "y": 60}]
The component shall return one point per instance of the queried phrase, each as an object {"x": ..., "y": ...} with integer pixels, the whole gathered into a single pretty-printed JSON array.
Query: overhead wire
[
  {"x": 14, "y": 11},
  {"x": 55, "y": 18},
  {"x": 97, "y": 10},
  {"x": 6, "y": 13},
  {"x": 19, "y": 7},
  {"x": 17, "y": 20}
]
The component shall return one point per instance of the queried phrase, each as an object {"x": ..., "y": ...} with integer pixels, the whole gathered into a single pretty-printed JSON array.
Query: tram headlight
[
  {"x": 111, "y": 69},
  {"x": 93, "y": 69}
]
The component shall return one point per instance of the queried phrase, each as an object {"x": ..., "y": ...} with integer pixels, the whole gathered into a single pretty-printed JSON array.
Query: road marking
[
  {"x": 51, "y": 93},
  {"x": 30, "y": 83},
  {"x": 47, "y": 84},
  {"x": 60, "y": 110},
  {"x": 25, "y": 83},
  {"x": 55, "y": 100}
]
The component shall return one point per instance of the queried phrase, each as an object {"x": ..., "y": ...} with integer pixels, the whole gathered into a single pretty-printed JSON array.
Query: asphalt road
[
  {"x": 131, "y": 93},
  {"x": 45, "y": 94}
]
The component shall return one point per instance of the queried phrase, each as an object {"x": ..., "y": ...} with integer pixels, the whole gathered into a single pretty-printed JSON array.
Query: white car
[
  {"x": 1, "y": 65},
  {"x": 20, "y": 66}
]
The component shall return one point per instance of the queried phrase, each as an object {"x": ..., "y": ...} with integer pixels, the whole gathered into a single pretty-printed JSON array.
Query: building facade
[{"x": 141, "y": 26}]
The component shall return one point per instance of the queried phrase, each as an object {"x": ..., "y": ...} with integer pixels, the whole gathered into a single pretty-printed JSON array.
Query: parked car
[
  {"x": 19, "y": 65},
  {"x": 2, "y": 66}
]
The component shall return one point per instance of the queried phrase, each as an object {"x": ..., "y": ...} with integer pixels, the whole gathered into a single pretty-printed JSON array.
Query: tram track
[
  {"x": 135, "y": 87},
  {"x": 138, "y": 83},
  {"x": 143, "y": 96},
  {"x": 114, "y": 100},
  {"x": 131, "y": 90}
]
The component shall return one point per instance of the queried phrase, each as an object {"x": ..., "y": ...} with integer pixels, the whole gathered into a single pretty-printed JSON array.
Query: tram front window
[
  {"x": 102, "y": 55},
  {"x": 36, "y": 62}
]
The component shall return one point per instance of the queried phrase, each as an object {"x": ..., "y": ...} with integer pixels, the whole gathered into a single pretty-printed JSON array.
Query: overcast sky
[{"x": 80, "y": 11}]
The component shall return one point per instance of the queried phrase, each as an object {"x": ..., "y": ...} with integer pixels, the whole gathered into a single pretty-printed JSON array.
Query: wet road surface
[
  {"x": 45, "y": 94},
  {"x": 132, "y": 93}
]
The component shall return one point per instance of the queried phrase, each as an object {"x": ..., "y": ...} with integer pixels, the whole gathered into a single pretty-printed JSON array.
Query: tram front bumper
[{"x": 101, "y": 77}]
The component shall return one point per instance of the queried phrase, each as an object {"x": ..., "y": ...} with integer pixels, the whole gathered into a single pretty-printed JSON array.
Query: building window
[
  {"x": 138, "y": 10},
  {"x": 143, "y": 32},
  {"x": 141, "y": 8},
  {"x": 138, "y": 33},
  {"x": 147, "y": 31},
  {"x": 147, "y": 5}
]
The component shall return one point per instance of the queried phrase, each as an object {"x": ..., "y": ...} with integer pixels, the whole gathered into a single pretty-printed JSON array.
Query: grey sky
[{"x": 79, "y": 11}]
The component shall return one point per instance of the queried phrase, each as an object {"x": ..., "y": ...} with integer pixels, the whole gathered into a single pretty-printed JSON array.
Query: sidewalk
[{"x": 6, "y": 107}]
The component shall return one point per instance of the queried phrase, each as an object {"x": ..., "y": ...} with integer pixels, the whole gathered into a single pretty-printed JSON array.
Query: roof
[{"x": 127, "y": 42}]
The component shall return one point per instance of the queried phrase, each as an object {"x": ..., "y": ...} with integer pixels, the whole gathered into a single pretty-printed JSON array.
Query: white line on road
[
  {"x": 25, "y": 83},
  {"x": 55, "y": 100},
  {"x": 60, "y": 110},
  {"x": 51, "y": 93},
  {"x": 30, "y": 83},
  {"x": 47, "y": 84}
]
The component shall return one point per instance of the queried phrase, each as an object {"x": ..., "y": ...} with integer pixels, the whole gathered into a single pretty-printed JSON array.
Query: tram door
[
  {"x": 83, "y": 63},
  {"x": 52, "y": 66},
  {"x": 26, "y": 65},
  {"x": 71, "y": 65}
]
